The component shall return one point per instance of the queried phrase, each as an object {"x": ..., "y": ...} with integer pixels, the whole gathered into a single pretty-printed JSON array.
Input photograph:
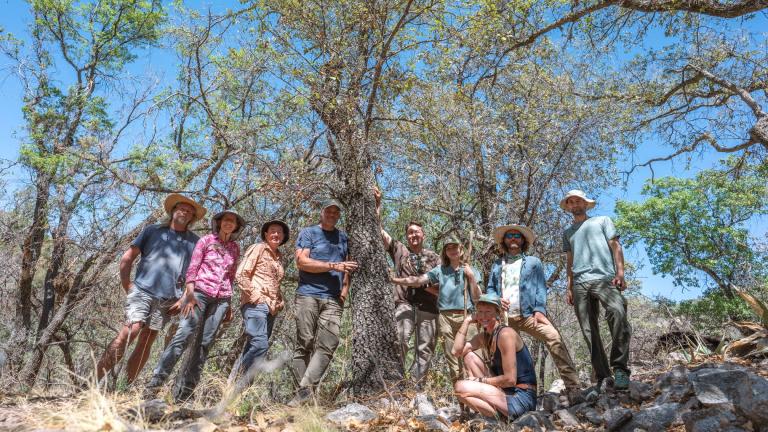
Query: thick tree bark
[{"x": 375, "y": 354}]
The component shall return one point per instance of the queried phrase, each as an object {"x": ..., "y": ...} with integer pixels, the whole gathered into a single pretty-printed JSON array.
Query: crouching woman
[{"x": 506, "y": 386}]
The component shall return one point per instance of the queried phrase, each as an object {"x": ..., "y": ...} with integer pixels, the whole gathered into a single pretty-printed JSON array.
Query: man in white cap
[
  {"x": 596, "y": 277},
  {"x": 321, "y": 257},
  {"x": 518, "y": 279},
  {"x": 155, "y": 292}
]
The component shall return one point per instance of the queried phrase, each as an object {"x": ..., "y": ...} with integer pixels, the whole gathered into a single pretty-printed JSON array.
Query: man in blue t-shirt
[
  {"x": 322, "y": 260},
  {"x": 154, "y": 294},
  {"x": 595, "y": 267}
]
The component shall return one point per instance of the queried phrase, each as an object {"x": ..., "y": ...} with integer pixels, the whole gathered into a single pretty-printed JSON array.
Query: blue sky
[{"x": 16, "y": 16}]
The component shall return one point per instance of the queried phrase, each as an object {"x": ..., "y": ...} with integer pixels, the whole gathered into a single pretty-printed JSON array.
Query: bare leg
[
  {"x": 484, "y": 398},
  {"x": 474, "y": 366},
  {"x": 116, "y": 348},
  {"x": 479, "y": 405},
  {"x": 140, "y": 354}
]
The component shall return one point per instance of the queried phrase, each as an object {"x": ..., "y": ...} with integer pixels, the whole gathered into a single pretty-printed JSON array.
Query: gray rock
[
  {"x": 709, "y": 419},
  {"x": 733, "y": 389},
  {"x": 616, "y": 418},
  {"x": 201, "y": 425},
  {"x": 353, "y": 413},
  {"x": 450, "y": 413},
  {"x": 151, "y": 411},
  {"x": 557, "y": 386},
  {"x": 675, "y": 393},
  {"x": 433, "y": 422},
  {"x": 654, "y": 418},
  {"x": 606, "y": 402},
  {"x": 423, "y": 406},
  {"x": 549, "y": 402},
  {"x": 640, "y": 391},
  {"x": 568, "y": 419},
  {"x": 592, "y": 416},
  {"x": 534, "y": 420},
  {"x": 678, "y": 375}
]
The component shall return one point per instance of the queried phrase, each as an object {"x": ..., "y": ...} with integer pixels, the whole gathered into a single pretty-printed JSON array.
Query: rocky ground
[{"x": 708, "y": 396}]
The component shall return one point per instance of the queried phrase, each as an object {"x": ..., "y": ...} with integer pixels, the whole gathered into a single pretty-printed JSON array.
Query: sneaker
[
  {"x": 620, "y": 379},
  {"x": 303, "y": 394}
]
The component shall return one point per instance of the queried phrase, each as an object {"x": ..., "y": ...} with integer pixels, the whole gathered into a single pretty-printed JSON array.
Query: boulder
[
  {"x": 654, "y": 418},
  {"x": 151, "y": 411},
  {"x": 430, "y": 423},
  {"x": 710, "y": 419},
  {"x": 616, "y": 418},
  {"x": 534, "y": 420},
  {"x": 640, "y": 391},
  {"x": 733, "y": 389},
  {"x": 450, "y": 413},
  {"x": 678, "y": 375},
  {"x": 549, "y": 402},
  {"x": 352, "y": 414},
  {"x": 566, "y": 418},
  {"x": 423, "y": 405}
]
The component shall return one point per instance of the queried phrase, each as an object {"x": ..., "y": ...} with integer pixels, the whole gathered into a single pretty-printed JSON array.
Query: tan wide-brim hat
[
  {"x": 174, "y": 199},
  {"x": 498, "y": 233},
  {"x": 580, "y": 194}
]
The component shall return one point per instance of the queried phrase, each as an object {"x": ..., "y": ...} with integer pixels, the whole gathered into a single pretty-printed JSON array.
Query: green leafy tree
[{"x": 696, "y": 227}]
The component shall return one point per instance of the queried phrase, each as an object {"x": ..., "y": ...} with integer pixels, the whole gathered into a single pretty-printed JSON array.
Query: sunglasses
[{"x": 513, "y": 236}]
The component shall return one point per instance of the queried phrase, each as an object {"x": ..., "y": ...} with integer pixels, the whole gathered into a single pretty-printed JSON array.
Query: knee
[
  {"x": 461, "y": 388},
  {"x": 472, "y": 359}
]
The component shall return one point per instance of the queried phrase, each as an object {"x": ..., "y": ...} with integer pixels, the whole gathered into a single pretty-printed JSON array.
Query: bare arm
[
  {"x": 474, "y": 289},
  {"x": 618, "y": 261},
  {"x": 461, "y": 346},
  {"x": 385, "y": 237},
  {"x": 309, "y": 265},
  {"x": 412, "y": 281},
  {"x": 126, "y": 263}
]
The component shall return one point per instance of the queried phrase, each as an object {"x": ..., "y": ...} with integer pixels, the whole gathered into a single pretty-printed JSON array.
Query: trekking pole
[{"x": 416, "y": 346}]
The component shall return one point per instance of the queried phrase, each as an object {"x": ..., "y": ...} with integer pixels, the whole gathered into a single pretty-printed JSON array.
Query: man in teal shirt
[{"x": 596, "y": 277}]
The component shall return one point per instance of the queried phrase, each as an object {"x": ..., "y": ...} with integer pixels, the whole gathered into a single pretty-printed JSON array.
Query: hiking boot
[
  {"x": 591, "y": 394},
  {"x": 620, "y": 379},
  {"x": 303, "y": 394}
]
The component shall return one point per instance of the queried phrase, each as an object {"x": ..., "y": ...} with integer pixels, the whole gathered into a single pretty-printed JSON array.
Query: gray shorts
[{"x": 142, "y": 307}]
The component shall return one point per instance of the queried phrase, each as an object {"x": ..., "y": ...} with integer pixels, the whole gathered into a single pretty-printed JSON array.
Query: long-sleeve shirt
[
  {"x": 259, "y": 276},
  {"x": 213, "y": 265}
]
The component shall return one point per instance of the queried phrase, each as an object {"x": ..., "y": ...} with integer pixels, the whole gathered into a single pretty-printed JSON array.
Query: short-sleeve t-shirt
[
  {"x": 165, "y": 256},
  {"x": 328, "y": 246},
  {"x": 588, "y": 241},
  {"x": 451, "y": 289},
  {"x": 407, "y": 264}
]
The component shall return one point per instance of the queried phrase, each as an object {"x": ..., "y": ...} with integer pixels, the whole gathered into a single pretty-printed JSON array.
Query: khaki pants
[
  {"x": 425, "y": 325},
  {"x": 449, "y": 323},
  {"x": 548, "y": 334},
  {"x": 587, "y": 298},
  {"x": 317, "y": 336}
]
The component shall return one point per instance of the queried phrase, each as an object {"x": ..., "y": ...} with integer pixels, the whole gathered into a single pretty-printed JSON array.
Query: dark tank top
[{"x": 526, "y": 374}]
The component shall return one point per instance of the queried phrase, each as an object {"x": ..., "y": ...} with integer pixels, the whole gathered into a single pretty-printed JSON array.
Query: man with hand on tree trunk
[
  {"x": 596, "y": 277},
  {"x": 416, "y": 309},
  {"x": 324, "y": 267},
  {"x": 155, "y": 293}
]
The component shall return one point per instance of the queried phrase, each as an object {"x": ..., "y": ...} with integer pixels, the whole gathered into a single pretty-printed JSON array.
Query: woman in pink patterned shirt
[{"x": 210, "y": 276}]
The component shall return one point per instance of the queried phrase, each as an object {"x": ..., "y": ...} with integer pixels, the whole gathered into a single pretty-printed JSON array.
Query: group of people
[{"x": 436, "y": 295}]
